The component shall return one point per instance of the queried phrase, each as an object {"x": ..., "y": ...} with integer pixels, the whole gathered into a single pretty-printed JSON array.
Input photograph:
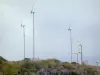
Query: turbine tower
[
  {"x": 32, "y": 12},
  {"x": 81, "y": 53},
  {"x": 23, "y": 27},
  {"x": 70, "y": 41}
]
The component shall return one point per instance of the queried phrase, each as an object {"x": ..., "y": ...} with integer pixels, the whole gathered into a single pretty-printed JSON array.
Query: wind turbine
[
  {"x": 32, "y": 12},
  {"x": 97, "y": 64},
  {"x": 23, "y": 27},
  {"x": 70, "y": 40}
]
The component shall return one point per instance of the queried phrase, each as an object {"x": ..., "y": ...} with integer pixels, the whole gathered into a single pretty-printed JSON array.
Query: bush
[
  {"x": 1, "y": 58},
  {"x": 68, "y": 65},
  {"x": 74, "y": 63}
]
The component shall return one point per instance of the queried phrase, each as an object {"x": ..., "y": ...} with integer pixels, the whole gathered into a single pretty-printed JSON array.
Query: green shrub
[{"x": 74, "y": 63}]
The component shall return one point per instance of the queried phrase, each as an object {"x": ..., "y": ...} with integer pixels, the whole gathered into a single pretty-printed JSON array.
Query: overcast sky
[{"x": 52, "y": 20}]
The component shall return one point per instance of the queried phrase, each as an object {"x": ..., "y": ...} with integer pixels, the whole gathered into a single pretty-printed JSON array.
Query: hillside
[{"x": 27, "y": 65}]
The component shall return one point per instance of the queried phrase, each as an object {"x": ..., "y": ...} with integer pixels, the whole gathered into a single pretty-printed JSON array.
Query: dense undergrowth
[{"x": 27, "y": 65}]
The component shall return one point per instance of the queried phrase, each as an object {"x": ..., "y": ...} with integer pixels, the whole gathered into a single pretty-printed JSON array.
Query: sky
[{"x": 52, "y": 19}]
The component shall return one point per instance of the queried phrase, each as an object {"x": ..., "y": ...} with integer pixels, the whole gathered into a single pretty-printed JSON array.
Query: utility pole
[
  {"x": 32, "y": 12},
  {"x": 23, "y": 26},
  {"x": 70, "y": 41},
  {"x": 81, "y": 53}
]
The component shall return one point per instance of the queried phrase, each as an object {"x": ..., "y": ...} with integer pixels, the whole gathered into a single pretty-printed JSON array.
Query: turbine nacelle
[
  {"x": 80, "y": 45},
  {"x": 97, "y": 62},
  {"x": 69, "y": 29},
  {"x": 32, "y": 12}
]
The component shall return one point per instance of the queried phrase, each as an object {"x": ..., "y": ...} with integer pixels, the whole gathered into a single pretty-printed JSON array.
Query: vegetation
[{"x": 27, "y": 65}]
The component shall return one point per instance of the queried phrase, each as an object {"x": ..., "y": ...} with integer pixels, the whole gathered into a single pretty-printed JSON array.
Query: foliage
[
  {"x": 9, "y": 68},
  {"x": 68, "y": 65},
  {"x": 1, "y": 58},
  {"x": 29, "y": 66},
  {"x": 74, "y": 63},
  {"x": 27, "y": 59},
  {"x": 84, "y": 64}
]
